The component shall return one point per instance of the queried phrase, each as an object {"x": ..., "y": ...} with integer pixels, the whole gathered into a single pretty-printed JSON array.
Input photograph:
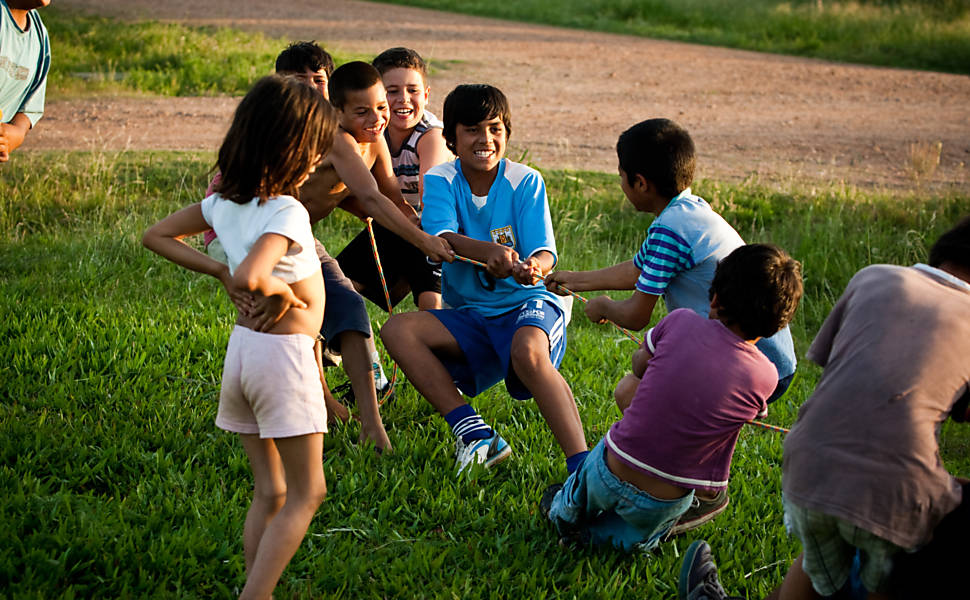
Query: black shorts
[{"x": 405, "y": 267}]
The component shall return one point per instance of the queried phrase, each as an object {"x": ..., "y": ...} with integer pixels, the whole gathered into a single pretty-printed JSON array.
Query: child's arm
[
  {"x": 255, "y": 275},
  {"x": 618, "y": 277},
  {"x": 361, "y": 184},
  {"x": 499, "y": 259},
  {"x": 12, "y": 134},
  {"x": 633, "y": 313},
  {"x": 165, "y": 238},
  {"x": 383, "y": 172}
]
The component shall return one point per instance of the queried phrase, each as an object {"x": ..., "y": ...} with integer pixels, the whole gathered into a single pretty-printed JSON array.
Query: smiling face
[
  {"x": 407, "y": 95},
  {"x": 364, "y": 115},
  {"x": 480, "y": 146}
]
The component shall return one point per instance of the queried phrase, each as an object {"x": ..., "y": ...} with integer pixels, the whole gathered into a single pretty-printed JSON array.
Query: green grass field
[
  {"x": 118, "y": 484},
  {"x": 916, "y": 34}
]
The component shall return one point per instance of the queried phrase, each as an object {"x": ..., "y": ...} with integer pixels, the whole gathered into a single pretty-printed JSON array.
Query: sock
[
  {"x": 379, "y": 379},
  {"x": 575, "y": 461},
  {"x": 467, "y": 424}
]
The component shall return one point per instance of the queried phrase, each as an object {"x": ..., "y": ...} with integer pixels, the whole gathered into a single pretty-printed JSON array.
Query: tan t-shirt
[{"x": 896, "y": 354}]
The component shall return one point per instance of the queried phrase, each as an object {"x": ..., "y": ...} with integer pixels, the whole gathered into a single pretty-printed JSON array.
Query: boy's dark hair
[
  {"x": 301, "y": 56},
  {"x": 758, "y": 287},
  {"x": 470, "y": 104},
  {"x": 400, "y": 58},
  {"x": 278, "y": 130},
  {"x": 953, "y": 246},
  {"x": 351, "y": 77},
  {"x": 661, "y": 151}
]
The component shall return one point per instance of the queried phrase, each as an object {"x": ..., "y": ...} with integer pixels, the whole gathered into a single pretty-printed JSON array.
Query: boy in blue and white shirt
[
  {"x": 502, "y": 324},
  {"x": 684, "y": 244}
]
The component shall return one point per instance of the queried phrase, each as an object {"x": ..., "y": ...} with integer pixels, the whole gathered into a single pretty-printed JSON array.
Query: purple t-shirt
[{"x": 702, "y": 384}]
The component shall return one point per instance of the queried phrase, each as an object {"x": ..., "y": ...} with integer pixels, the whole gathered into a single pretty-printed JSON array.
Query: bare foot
[{"x": 378, "y": 436}]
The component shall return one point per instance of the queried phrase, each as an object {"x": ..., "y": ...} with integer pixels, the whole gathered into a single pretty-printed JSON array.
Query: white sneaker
[{"x": 489, "y": 452}]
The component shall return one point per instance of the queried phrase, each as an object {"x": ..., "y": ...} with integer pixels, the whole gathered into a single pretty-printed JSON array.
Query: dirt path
[{"x": 573, "y": 92}]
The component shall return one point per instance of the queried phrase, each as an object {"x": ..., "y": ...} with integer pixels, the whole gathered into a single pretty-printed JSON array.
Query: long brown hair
[{"x": 279, "y": 130}]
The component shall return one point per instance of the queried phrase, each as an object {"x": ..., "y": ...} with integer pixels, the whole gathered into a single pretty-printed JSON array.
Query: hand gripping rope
[{"x": 628, "y": 333}]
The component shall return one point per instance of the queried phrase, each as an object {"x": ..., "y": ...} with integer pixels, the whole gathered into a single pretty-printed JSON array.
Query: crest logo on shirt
[{"x": 504, "y": 236}]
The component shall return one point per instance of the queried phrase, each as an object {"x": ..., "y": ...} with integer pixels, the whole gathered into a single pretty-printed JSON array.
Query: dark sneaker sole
[
  {"x": 683, "y": 526},
  {"x": 498, "y": 457}
]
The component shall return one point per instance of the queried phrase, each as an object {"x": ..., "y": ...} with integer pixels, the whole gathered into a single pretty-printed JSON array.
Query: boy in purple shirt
[{"x": 682, "y": 415}]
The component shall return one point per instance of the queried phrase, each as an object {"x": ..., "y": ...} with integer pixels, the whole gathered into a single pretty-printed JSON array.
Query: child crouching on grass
[
  {"x": 271, "y": 394},
  {"x": 502, "y": 324},
  {"x": 696, "y": 380}
]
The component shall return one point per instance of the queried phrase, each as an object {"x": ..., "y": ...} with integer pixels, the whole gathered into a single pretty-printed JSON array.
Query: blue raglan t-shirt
[
  {"x": 514, "y": 214},
  {"x": 678, "y": 258}
]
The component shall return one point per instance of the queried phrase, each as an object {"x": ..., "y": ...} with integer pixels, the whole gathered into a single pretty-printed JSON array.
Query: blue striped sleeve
[{"x": 663, "y": 255}]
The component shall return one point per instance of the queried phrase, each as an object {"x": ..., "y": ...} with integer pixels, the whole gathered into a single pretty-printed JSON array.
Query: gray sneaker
[
  {"x": 698, "y": 575},
  {"x": 701, "y": 511}
]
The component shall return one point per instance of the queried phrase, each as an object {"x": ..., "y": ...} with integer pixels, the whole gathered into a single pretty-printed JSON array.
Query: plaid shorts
[{"x": 829, "y": 545}]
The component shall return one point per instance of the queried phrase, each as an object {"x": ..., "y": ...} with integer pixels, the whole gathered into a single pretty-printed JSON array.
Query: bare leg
[
  {"x": 335, "y": 410},
  {"x": 429, "y": 300},
  {"x": 269, "y": 492},
  {"x": 415, "y": 340},
  {"x": 625, "y": 389},
  {"x": 357, "y": 364},
  {"x": 306, "y": 487},
  {"x": 530, "y": 359},
  {"x": 797, "y": 585}
]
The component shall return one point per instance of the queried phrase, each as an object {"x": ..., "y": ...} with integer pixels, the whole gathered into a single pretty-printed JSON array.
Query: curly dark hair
[
  {"x": 278, "y": 130},
  {"x": 758, "y": 287}
]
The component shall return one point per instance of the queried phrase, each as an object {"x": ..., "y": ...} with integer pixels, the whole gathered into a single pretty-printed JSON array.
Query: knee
[
  {"x": 395, "y": 333},
  {"x": 527, "y": 358},
  {"x": 272, "y": 499},
  {"x": 429, "y": 301},
  {"x": 625, "y": 389},
  {"x": 317, "y": 493}
]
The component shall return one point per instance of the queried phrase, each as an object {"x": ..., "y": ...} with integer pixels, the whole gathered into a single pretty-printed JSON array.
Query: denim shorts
[{"x": 600, "y": 508}]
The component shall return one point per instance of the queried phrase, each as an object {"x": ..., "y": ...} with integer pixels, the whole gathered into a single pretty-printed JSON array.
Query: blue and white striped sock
[{"x": 467, "y": 424}]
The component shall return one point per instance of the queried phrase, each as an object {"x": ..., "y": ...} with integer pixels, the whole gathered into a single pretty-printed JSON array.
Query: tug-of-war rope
[{"x": 626, "y": 332}]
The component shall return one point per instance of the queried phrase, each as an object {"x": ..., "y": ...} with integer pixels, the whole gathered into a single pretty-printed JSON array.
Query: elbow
[{"x": 149, "y": 238}]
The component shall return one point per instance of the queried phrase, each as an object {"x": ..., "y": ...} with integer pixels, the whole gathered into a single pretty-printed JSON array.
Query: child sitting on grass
[
  {"x": 695, "y": 382},
  {"x": 677, "y": 260},
  {"x": 502, "y": 325},
  {"x": 416, "y": 144},
  {"x": 862, "y": 469},
  {"x": 270, "y": 394}
]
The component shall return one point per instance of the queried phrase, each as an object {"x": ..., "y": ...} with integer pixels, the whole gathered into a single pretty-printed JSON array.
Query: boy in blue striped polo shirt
[{"x": 677, "y": 260}]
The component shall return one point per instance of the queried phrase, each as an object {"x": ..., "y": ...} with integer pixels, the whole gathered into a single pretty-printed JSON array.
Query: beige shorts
[{"x": 271, "y": 386}]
